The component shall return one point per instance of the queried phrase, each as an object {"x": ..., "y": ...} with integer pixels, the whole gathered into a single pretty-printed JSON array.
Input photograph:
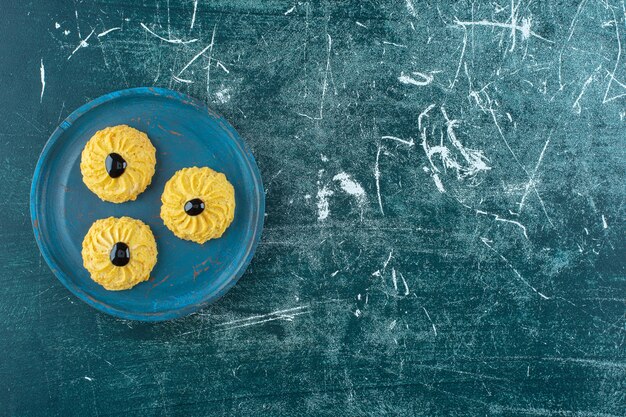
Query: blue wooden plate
[{"x": 185, "y": 133}]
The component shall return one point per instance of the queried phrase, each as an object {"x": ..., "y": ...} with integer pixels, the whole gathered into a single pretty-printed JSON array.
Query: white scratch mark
[
  {"x": 617, "y": 59},
  {"x": 425, "y": 79},
  {"x": 77, "y": 24},
  {"x": 219, "y": 64},
  {"x": 169, "y": 26},
  {"x": 508, "y": 146},
  {"x": 531, "y": 180},
  {"x": 361, "y": 24},
  {"x": 513, "y": 20},
  {"x": 114, "y": 368},
  {"x": 524, "y": 28},
  {"x": 323, "y": 207},
  {"x": 618, "y": 83},
  {"x": 572, "y": 27},
  {"x": 173, "y": 40},
  {"x": 182, "y": 80},
  {"x": 394, "y": 280},
  {"x": 334, "y": 274},
  {"x": 604, "y": 223},
  {"x": 352, "y": 188},
  {"x": 193, "y": 16},
  {"x": 195, "y": 57},
  {"x": 290, "y": 10},
  {"x": 208, "y": 68},
  {"x": 406, "y": 142},
  {"x": 262, "y": 318},
  {"x": 286, "y": 317},
  {"x": 430, "y": 320},
  {"x": 106, "y": 32},
  {"x": 576, "y": 105},
  {"x": 501, "y": 219},
  {"x": 88, "y": 378},
  {"x": 406, "y": 286},
  {"x": 433, "y": 170},
  {"x": 61, "y": 112},
  {"x": 506, "y": 142},
  {"x": 438, "y": 182},
  {"x": 223, "y": 96},
  {"x": 424, "y": 114},
  {"x": 35, "y": 126},
  {"x": 82, "y": 44},
  {"x": 475, "y": 160},
  {"x": 411, "y": 8},
  {"x": 398, "y": 45},
  {"x": 387, "y": 261},
  {"x": 458, "y": 67},
  {"x": 377, "y": 178},
  {"x": 42, "y": 73},
  {"x": 324, "y": 83},
  {"x": 486, "y": 242}
]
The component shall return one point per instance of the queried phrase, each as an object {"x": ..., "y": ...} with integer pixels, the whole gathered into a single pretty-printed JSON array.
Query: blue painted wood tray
[{"x": 185, "y": 133}]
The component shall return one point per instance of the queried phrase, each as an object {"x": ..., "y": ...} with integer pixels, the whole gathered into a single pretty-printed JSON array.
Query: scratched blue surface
[
  {"x": 445, "y": 217},
  {"x": 187, "y": 275}
]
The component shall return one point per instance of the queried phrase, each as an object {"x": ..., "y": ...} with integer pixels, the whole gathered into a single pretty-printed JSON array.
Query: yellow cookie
[
  {"x": 198, "y": 204},
  {"x": 119, "y": 253},
  {"x": 118, "y": 163}
]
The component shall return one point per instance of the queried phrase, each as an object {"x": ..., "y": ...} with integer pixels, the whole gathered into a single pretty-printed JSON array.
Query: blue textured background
[{"x": 488, "y": 279}]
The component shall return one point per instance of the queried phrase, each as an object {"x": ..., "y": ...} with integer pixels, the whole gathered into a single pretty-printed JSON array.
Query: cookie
[
  {"x": 118, "y": 163},
  {"x": 119, "y": 253},
  {"x": 198, "y": 204}
]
